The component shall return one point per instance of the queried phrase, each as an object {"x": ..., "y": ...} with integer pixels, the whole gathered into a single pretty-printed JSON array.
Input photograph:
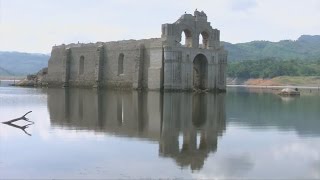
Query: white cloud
[
  {"x": 243, "y": 5},
  {"x": 302, "y": 150},
  {"x": 233, "y": 165},
  {"x": 36, "y": 25}
]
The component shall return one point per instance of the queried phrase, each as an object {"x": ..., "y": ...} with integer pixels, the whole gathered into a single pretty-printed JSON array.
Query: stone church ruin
[{"x": 188, "y": 56}]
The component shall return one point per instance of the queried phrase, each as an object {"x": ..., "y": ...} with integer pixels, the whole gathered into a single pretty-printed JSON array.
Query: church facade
[{"x": 187, "y": 56}]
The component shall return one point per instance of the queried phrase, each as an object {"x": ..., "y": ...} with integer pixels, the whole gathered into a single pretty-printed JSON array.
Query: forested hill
[
  {"x": 21, "y": 64},
  {"x": 306, "y": 47}
]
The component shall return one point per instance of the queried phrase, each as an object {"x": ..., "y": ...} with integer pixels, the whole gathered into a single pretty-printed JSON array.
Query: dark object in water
[{"x": 23, "y": 128}]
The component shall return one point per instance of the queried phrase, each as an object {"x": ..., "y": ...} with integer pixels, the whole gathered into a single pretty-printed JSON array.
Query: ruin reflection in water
[{"x": 185, "y": 125}]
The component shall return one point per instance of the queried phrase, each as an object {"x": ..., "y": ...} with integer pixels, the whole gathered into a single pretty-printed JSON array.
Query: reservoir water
[{"x": 87, "y": 133}]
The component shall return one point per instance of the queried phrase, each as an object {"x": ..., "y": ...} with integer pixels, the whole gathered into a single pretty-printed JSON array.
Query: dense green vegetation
[
  {"x": 269, "y": 68},
  {"x": 264, "y": 59},
  {"x": 305, "y": 47}
]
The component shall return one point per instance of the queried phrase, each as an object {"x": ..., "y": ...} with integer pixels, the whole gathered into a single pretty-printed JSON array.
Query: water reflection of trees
[
  {"x": 194, "y": 119},
  {"x": 265, "y": 109}
]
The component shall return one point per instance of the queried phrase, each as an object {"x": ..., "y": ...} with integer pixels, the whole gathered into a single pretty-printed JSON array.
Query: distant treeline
[{"x": 269, "y": 68}]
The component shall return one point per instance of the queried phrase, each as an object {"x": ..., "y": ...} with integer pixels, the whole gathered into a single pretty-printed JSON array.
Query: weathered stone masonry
[{"x": 166, "y": 63}]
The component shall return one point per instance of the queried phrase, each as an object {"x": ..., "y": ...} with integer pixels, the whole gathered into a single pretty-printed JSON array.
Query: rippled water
[{"x": 86, "y": 133}]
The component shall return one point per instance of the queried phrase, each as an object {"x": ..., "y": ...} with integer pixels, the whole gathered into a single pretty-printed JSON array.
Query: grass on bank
[{"x": 298, "y": 80}]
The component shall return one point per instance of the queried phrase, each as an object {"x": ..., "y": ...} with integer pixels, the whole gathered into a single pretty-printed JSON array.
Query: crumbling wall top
[
  {"x": 197, "y": 16},
  {"x": 194, "y": 29},
  {"x": 200, "y": 16}
]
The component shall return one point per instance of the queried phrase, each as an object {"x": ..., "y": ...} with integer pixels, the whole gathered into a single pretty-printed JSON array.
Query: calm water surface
[{"x": 85, "y": 133}]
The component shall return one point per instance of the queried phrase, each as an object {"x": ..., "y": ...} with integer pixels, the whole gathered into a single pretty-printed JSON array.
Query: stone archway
[{"x": 200, "y": 72}]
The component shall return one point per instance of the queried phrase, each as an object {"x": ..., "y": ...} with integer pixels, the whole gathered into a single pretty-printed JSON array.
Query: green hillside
[
  {"x": 20, "y": 64},
  {"x": 264, "y": 59},
  {"x": 306, "y": 47},
  {"x": 270, "y": 68}
]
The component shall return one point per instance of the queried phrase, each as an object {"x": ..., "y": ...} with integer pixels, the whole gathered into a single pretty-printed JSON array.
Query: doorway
[{"x": 200, "y": 72}]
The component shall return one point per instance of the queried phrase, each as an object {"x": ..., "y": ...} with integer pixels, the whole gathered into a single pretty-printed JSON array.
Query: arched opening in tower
[
  {"x": 204, "y": 40},
  {"x": 200, "y": 72},
  {"x": 186, "y": 38}
]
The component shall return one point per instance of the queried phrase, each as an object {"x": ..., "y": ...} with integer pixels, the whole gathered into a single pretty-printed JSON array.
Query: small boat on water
[{"x": 289, "y": 92}]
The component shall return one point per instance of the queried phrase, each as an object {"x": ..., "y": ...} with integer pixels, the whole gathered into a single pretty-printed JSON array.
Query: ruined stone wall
[
  {"x": 140, "y": 59},
  {"x": 55, "y": 66},
  {"x": 179, "y": 65},
  {"x": 154, "y": 64},
  {"x": 180, "y": 59},
  {"x": 100, "y": 63},
  {"x": 130, "y": 50},
  {"x": 90, "y": 59}
]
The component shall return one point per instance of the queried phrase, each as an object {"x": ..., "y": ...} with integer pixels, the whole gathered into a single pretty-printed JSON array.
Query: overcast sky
[{"x": 37, "y": 25}]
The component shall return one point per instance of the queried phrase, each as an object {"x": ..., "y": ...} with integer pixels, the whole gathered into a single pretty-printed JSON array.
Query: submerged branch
[
  {"x": 23, "y": 128},
  {"x": 20, "y": 118}
]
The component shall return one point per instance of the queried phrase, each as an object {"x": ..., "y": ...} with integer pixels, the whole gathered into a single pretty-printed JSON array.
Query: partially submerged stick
[
  {"x": 20, "y": 118},
  {"x": 23, "y": 128}
]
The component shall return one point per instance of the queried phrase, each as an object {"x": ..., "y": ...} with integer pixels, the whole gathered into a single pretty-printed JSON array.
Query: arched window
[
  {"x": 186, "y": 38},
  {"x": 120, "y": 63},
  {"x": 200, "y": 41},
  {"x": 204, "y": 40},
  {"x": 81, "y": 65}
]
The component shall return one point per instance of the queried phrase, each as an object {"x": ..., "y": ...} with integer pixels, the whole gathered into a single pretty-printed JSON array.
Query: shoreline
[
  {"x": 275, "y": 87},
  {"x": 306, "y": 82},
  {"x": 11, "y": 79}
]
